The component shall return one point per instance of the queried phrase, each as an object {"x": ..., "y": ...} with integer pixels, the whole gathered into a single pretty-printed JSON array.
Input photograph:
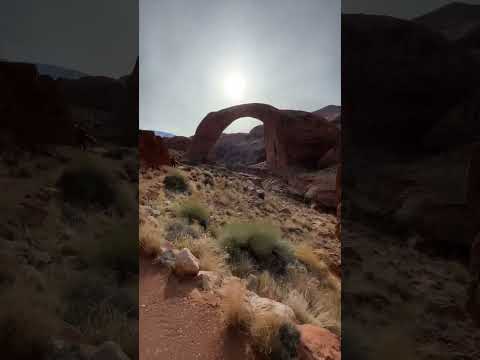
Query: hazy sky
[
  {"x": 202, "y": 56},
  {"x": 398, "y": 8},
  {"x": 92, "y": 36}
]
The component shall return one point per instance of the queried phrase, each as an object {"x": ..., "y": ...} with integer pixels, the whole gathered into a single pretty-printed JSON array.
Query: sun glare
[{"x": 234, "y": 86}]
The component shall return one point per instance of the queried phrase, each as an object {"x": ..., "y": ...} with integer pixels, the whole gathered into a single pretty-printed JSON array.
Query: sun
[{"x": 234, "y": 86}]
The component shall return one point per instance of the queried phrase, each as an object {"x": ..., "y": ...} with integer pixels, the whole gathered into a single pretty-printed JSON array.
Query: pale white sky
[{"x": 201, "y": 56}]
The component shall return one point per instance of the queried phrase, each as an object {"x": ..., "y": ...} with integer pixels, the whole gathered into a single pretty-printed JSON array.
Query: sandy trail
[{"x": 179, "y": 323}]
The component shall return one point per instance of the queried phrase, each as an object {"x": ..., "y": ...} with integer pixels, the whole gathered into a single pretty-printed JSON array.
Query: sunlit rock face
[{"x": 292, "y": 138}]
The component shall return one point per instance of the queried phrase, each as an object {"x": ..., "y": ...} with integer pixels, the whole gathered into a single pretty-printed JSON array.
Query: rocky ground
[
  {"x": 201, "y": 285},
  {"x": 64, "y": 294},
  {"x": 388, "y": 280}
]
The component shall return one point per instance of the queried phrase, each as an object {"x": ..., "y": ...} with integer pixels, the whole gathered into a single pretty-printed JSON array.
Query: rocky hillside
[
  {"x": 455, "y": 20},
  {"x": 226, "y": 250},
  {"x": 240, "y": 149}
]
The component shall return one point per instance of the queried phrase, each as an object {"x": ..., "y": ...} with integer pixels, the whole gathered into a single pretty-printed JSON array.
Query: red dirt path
[{"x": 177, "y": 322}]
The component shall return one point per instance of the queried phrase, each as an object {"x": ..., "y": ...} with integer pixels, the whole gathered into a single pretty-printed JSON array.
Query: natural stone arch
[{"x": 292, "y": 138}]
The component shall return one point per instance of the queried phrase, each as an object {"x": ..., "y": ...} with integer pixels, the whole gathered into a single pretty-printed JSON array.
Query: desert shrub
[
  {"x": 305, "y": 254},
  {"x": 193, "y": 210},
  {"x": 176, "y": 181},
  {"x": 86, "y": 184},
  {"x": 118, "y": 248},
  {"x": 286, "y": 343},
  {"x": 242, "y": 264},
  {"x": 180, "y": 229},
  {"x": 262, "y": 241}
]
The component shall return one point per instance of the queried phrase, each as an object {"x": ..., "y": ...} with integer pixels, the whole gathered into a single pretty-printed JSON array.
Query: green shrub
[
  {"x": 193, "y": 210},
  {"x": 176, "y": 181},
  {"x": 118, "y": 249},
  {"x": 261, "y": 241},
  {"x": 286, "y": 343},
  {"x": 87, "y": 184}
]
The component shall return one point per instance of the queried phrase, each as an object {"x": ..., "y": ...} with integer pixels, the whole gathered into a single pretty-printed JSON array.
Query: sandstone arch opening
[
  {"x": 242, "y": 143},
  {"x": 292, "y": 138}
]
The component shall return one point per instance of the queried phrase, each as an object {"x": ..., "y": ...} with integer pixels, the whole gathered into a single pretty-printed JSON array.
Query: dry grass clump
[
  {"x": 270, "y": 335},
  {"x": 176, "y": 181},
  {"x": 107, "y": 323},
  {"x": 193, "y": 210},
  {"x": 28, "y": 321},
  {"x": 262, "y": 241},
  {"x": 273, "y": 337},
  {"x": 236, "y": 314},
  {"x": 207, "y": 251},
  {"x": 311, "y": 301},
  {"x": 150, "y": 238},
  {"x": 305, "y": 254}
]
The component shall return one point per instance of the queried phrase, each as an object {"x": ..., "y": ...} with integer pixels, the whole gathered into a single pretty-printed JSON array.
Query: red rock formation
[
  {"x": 152, "y": 151},
  {"x": 32, "y": 108},
  {"x": 317, "y": 343},
  {"x": 292, "y": 138},
  {"x": 179, "y": 143}
]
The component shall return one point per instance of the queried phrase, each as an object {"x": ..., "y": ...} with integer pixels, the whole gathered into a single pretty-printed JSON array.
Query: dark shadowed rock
[{"x": 152, "y": 151}]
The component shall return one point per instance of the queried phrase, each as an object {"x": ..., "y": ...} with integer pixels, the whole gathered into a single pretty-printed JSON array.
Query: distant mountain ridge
[
  {"x": 454, "y": 21},
  {"x": 59, "y": 72},
  {"x": 164, "y": 134}
]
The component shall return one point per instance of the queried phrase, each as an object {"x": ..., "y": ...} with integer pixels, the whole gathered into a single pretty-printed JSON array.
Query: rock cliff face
[
  {"x": 179, "y": 143},
  {"x": 32, "y": 107},
  {"x": 152, "y": 151},
  {"x": 292, "y": 138},
  {"x": 416, "y": 139},
  {"x": 430, "y": 76}
]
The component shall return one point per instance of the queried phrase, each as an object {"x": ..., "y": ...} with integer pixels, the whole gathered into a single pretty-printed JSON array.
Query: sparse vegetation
[
  {"x": 87, "y": 184},
  {"x": 261, "y": 241},
  {"x": 118, "y": 248},
  {"x": 27, "y": 322},
  {"x": 193, "y": 210},
  {"x": 150, "y": 238},
  {"x": 181, "y": 229},
  {"x": 207, "y": 251},
  {"x": 176, "y": 181}
]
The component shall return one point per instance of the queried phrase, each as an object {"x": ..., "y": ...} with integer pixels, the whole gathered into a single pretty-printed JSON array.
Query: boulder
[
  {"x": 317, "y": 343},
  {"x": 152, "y": 151},
  {"x": 258, "y": 306},
  {"x": 186, "y": 264}
]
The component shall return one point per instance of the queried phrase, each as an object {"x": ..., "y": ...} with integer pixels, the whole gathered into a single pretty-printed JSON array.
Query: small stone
[{"x": 208, "y": 280}]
